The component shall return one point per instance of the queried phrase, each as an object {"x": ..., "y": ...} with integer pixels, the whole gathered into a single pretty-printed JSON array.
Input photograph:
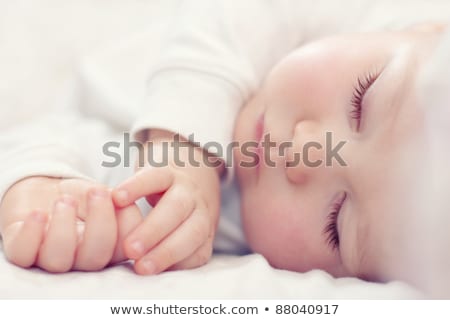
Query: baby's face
[{"x": 349, "y": 216}]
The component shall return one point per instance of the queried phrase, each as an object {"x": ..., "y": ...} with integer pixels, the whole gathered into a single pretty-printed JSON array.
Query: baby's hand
[
  {"x": 178, "y": 233},
  {"x": 63, "y": 224}
]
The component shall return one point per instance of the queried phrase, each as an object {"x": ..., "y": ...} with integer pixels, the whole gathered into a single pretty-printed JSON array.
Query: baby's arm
[{"x": 179, "y": 231}]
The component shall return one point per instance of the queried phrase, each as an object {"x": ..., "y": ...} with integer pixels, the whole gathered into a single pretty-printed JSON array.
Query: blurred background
[{"x": 41, "y": 42}]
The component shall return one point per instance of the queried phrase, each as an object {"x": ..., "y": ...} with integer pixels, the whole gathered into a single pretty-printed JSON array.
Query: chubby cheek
[
  {"x": 274, "y": 229},
  {"x": 270, "y": 232},
  {"x": 289, "y": 238}
]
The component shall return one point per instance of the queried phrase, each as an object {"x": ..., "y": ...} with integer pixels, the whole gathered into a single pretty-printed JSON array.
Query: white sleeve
[{"x": 57, "y": 145}]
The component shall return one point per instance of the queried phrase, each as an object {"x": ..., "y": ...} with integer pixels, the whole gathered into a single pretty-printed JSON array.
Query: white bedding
[
  {"x": 38, "y": 54},
  {"x": 224, "y": 277}
]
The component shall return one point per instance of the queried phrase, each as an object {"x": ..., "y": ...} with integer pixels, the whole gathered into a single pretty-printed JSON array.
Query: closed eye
[
  {"x": 363, "y": 85},
  {"x": 331, "y": 228}
]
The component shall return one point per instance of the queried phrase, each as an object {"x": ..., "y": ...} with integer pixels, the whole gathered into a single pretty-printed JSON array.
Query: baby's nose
[{"x": 306, "y": 155}]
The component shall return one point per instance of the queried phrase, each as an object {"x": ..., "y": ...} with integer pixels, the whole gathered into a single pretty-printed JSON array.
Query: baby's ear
[{"x": 433, "y": 27}]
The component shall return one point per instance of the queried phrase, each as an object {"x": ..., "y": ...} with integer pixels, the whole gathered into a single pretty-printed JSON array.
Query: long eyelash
[
  {"x": 331, "y": 230},
  {"x": 359, "y": 91}
]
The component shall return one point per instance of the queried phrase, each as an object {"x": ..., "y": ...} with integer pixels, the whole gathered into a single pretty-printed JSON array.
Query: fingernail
[
  {"x": 137, "y": 247},
  {"x": 122, "y": 195},
  {"x": 148, "y": 267},
  {"x": 98, "y": 193}
]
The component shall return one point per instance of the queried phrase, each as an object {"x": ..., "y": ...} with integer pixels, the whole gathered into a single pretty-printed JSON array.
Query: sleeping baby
[{"x": 324, "y": 149}]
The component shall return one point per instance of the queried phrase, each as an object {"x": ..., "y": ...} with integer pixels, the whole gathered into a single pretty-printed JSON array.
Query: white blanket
[
  {"x": 40, "y": 42},
  {"x": 223, "y": 277}
]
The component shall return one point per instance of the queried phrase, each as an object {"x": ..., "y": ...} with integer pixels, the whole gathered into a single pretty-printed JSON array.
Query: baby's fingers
[
  {"x": 128, "y": 219},
  {"x": 22, "y": 239},
  {"x": 176, "y": 206},
  {"x": 58, "y": 248},
  {"x": 100, "y": 233},
  {"x": 144, "y": 183},
  {"x": 179, "y": 245},
  {"x": 196, "y": 259}
]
